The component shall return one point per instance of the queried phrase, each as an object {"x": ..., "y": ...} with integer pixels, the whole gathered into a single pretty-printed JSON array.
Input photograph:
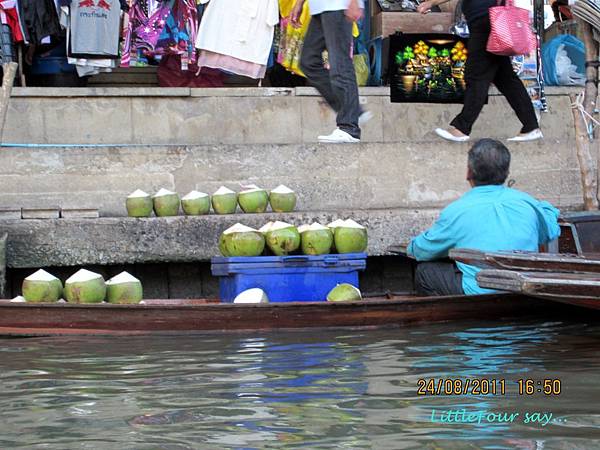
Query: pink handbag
[{"x": 511, "y": 32}]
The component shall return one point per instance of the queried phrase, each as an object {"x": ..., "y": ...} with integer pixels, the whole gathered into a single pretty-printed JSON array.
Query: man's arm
[
  {"x": 355, "y": 9},
  {"x": 436, "y": 242},
  {"x": 549, "y": 228},
  {"x": 425, "y": 7}
]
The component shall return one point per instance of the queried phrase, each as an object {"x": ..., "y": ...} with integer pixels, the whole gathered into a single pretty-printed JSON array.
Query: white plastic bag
[{"x": 566, "y": 72}]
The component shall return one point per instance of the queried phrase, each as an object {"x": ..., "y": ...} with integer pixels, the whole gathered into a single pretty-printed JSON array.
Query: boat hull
[{"x": 198, "y": 316}]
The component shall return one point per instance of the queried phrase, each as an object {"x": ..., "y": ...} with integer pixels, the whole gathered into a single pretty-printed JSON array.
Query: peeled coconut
[
  {"x": 282, "y": 199},
  {"x": 350, "y": 237},
  {"x": 344, "y": 293},
  {"x": 85, "y": 287},
  {"x": 253, "y": 199},
  {"x": 139, "y": 204},
  {"x": 124, "y": 288},
  {"x": 166, "y": 203},
  {"x": 240, "y": 240},
  {"x": 196, "y": 203},
  {"x": 332, "y": 226},
  {"x": 42, "y": 287},
  {"x": 282, "y": 238},
  {"x": 316, "y": 239},
  {"x": 224, "y": 201},
  {"x": 254, "y": 295}
]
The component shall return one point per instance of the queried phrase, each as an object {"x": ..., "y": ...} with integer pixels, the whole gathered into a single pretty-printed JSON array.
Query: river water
[{"x": 352, "y": 389}]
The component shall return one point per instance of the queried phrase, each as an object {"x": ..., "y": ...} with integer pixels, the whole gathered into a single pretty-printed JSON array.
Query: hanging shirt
[
  {"x": 95, "y": 27},
  {"x": 487, "y": 218},
  {"x": 320, "y": 6},
  {"x": 241, "y": 29}
]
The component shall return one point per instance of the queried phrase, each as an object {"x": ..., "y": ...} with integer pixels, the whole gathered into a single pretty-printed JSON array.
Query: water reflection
[{"x": 316, "y": 390}]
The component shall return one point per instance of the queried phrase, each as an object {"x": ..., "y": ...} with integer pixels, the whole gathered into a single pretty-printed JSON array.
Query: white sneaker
[
  {"x": 531, "y": 136},
  {"x": 445, "y": 134},
  {"x": 364, "y": 117},
  {"x": 338, "y": 137}
]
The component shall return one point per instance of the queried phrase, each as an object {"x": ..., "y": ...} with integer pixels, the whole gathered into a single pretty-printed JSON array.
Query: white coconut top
[
  {"x": 194, "y": 195},
  {"x": 41, "y": 275},
  {"x": 254, "y": 295},
  {"x": 248, "y": 189},
  {"x": 223, "y": 191},
  {"x": 336, "y": 223},
  {"x": 281, "y": 189},
  {"x": 351, "y": 224},
  {"x": 123, "y": 277},
  {"x": 279, "y": 226},
  {"x": 83, "y": 275},
  {"x": 238, "y": 228},
  {"x": 138, "y": 194},
  {"x": 266, "y": 227},
  {"x": 163, "y": 192},
  {"x": 312, "y": 227}
]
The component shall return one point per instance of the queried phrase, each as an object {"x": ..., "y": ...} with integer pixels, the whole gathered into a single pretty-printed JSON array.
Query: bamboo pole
[
  {"x": 10, "y": 70},
  {"x": 585, "y": 143}
]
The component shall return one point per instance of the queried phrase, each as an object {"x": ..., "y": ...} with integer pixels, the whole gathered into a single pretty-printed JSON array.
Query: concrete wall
[{"x": 184, "y": 139}]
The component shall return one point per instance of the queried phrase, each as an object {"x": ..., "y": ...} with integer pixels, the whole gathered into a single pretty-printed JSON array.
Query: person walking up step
[
  {"x": 330, "y": 29},
  {"x": 482, "y": 69}
]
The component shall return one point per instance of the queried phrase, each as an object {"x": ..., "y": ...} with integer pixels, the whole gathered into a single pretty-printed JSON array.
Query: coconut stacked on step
[
  {"x": 282, "y": 199},
  {"x": 196, "y": 203},
  {"x": 166, "y": 203},
  {"x": 224, "y": 201},
  {"x": 139, "y": 204},
  {"x": 253, "y": 199},
  {"x": 124, "y": 288}
]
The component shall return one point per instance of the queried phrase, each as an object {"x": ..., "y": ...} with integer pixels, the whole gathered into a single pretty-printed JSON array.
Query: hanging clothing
[
  {"x": 240, "y": 29},
  {"x": 95, "y": 27},
  {"x": 40, "y": 20},
  {"x": 206, "y": 58},
  {"x": 143, "y": 25},
  {"x": 180, "y": 32},
  {"x": 9, "y": 15}
]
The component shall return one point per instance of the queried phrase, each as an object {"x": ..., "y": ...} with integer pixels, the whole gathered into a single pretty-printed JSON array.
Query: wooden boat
[
  {"x": 575, "y": 289},
  {"x": 201, "y": 316},
  {"x": 527, "y": 261}
]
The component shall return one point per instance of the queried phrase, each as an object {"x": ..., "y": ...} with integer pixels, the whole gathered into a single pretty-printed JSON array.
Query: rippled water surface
[{"x": 312, "y": 390}]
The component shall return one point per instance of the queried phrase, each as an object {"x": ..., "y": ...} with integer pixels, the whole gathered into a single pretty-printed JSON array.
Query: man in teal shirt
[{"x": 490, "y": 217}]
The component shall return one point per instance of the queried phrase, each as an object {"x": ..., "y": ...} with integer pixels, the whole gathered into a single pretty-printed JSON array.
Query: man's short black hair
[{"x": 489, "y": 162}]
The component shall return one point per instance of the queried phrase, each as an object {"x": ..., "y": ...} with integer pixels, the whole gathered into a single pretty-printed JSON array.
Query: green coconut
[
  {"x": 85, "y": 287},
  {"x": 254, "y": 295},
  {"x": 282, "y": 238},
  {"x": 332, "y": 226},
  {"x": 166, "y": 203},
  {"x": 196, "y": 203},
  {"x": 139, "y": 204},
  {"x": 282, "y": 199},
  {"x": 124, "y": 288},
  {"x": 42, "y": 287},
  {"x": 315, "y": 239},
  {"x": 350, "y": 237},
  {"x": 223, "y": 246},
  {"x": 253, "y": 199},
  {"x": 224, "y": 201},
  {"x": 240, "y": 240},
  {"x": 344, "y": 293}
]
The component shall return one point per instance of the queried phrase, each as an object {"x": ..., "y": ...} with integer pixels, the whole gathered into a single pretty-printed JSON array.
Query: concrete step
[
  {"x": 326, "y": 177},
  {"x": 242, "y": 116},
  {"x": 112, "y": 241}
]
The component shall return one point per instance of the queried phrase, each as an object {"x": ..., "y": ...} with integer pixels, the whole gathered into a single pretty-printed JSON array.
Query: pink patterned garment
[{"x": 207, "y": 58}]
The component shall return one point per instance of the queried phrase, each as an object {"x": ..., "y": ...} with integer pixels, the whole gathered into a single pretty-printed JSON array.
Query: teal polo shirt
[{"x": 487, "y": 218}]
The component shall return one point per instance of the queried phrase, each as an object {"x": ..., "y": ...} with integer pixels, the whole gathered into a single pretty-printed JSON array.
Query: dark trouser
[
  {"x": 332, "y": 31},
  {"x": 484, "y": 68},
  {"x": 438, "y": 278}
]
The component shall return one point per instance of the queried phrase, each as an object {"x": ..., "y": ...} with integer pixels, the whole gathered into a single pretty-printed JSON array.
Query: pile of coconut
[
  {"x": 82, "y": 287},
  {"x": 281, "y": 239},
  {"x": 344, "y": 292},
  {"x": 251, "y": 199}
]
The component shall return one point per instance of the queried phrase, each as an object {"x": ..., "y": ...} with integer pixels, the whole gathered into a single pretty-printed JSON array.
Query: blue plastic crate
[{"x": 287, "y": 278}]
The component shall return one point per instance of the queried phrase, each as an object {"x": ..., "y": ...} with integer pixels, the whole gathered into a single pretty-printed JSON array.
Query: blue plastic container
[{"x": 287, "y": 278}]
